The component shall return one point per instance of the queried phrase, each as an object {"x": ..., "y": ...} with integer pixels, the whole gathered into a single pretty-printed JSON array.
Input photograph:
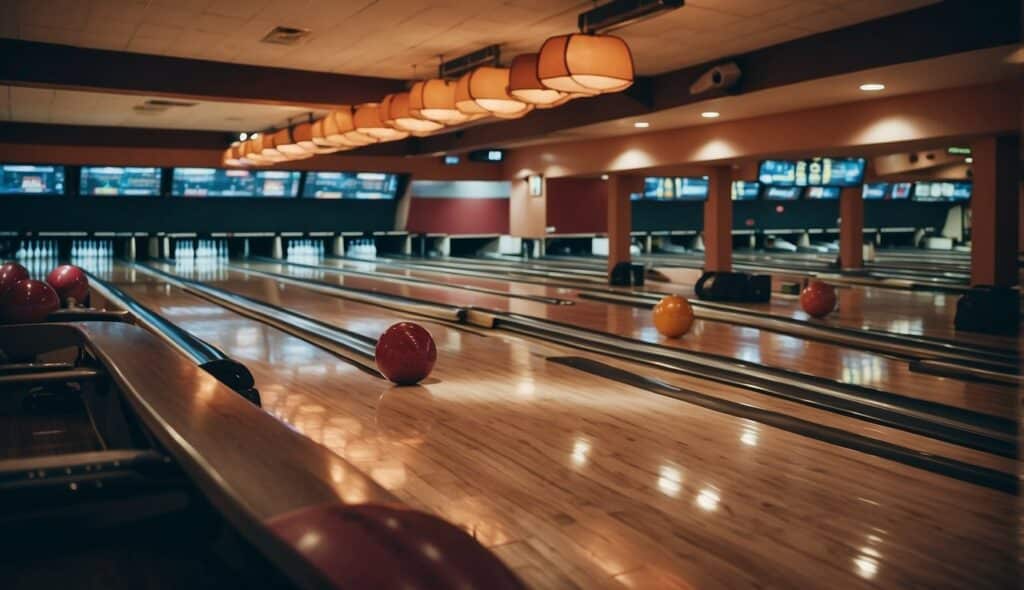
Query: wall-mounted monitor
[
  {"x": 744, "y": 190},
  {"x": 875, "y": 191},
  {"x": 841, "y": 172},
  {"x": 213, "y": 182},
  {"x": 942, "y": 191},
  {"x": 676, "y": 188},
  {"x": 23, "y": 179},
  {"x": 901, "y": 191},
  {"x": 782, "y": 193},
  {"x": 277, "y": 183},
  {"x": 350, "y": 185},
  {"x": 491, "y": 156},
  {"x": 117, "y": 181},
  {"x": 822, "y": 193}
]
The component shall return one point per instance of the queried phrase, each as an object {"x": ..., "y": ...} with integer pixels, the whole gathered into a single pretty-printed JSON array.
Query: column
[
  {"x": 994, "y": 210},
  {"x": 851, "y": 228},
  {"x": 718, "y": 221},
  {"x": 620, "y": 216}
]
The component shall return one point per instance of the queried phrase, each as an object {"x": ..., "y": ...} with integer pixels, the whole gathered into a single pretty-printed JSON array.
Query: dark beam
[
  {"x": 937, "y": 30},
  {"x": 139, "y": 137},
  {"x": 27, "y": 63}
]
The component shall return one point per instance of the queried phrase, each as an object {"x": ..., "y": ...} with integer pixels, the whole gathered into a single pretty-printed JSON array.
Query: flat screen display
[
  {"x": 18, "y": 179},
  {"x": 782, "y": 193},
  {"x": 676, "y": 188},
  {"x": 213, "y": 182},
  {"x": 826, "y": 193},
  {"x": 350, "y": 185},
  {"x": 875, "y": 191},
  {"x": 841, "y": 172},
  {"x": 277, "y": 183},
  {"x": 120, "y": 181},
  {"x": 743, "y": 190},
  {"x": 942, "y": 191},
  {"x": 901, "y": 190}
]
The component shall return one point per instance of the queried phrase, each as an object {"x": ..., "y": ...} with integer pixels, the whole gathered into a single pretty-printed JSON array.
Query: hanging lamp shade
[
  {"x": 516, "y": 115},
  {"x": 303, "y": 136},
  {"x": 232, "y": 156},
  {"x": 524, "y": 84},
  {"x": 341, "y": 128},
  {"x": 435, "y": 100},
  {"x": 323, "y": 129},
  {"x": 268, "y": 149},
  {"x": 251, "y": 151},
  {"x": 488, "y": 87},
  {"x": 286, "y": 144},
  {"x": 396, "y": 111},
  {"x": 586, "y": 64},
  {"x": 464, "y": 100},
  {"x": 368, "y": 120}
]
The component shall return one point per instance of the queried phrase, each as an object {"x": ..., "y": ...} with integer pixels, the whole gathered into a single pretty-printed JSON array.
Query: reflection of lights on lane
[
  {"x": 866, "y": 567},
  {"x": 708, "y": 499},
  {"x": 526, "y": 388},
  {"x": 749, "y": 438},
  {"x": 670, "y": 480},
  {"x": 579, "y": 452}
]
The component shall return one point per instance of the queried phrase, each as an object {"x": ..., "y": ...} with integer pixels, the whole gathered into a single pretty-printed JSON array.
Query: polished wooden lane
[
  {"x": 743, "y": 343},
  {"x": 576, "y": 481}
]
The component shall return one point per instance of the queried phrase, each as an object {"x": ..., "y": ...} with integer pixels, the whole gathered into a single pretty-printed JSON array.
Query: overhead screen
[
  {"x": 822, "y": 193},
  {"x": 677, "y": 188},
  {"x": 942, "y": 191},
  {"x": 118, "y": 181},
  {"x": 901, "y": 191},
  {"x": 838, "y": 172},
  {"x": 18, "y": 179},
  {"x": 218, "y": 182},
  {"x": 743, "y": 190},
  {"x": 350, "y": 185},
  {"x": 782, "y": 193},
  {"x": 875, "y": 191}
]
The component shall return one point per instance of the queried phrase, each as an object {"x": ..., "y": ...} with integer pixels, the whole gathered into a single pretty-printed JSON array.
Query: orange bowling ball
[
  {"x": 673, "y": 316},
  {"x": 818, "y": 299}
]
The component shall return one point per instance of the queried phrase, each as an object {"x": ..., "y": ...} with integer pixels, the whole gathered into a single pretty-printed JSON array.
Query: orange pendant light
[
  {"x": 368, "y": 120},
  {"x": 303, "y": 136},
  {"x": 342, "y": 128},
  {"x": 464, "y": 100},
  {"x": 267, "y": 148},
  {"x": 434, "y": 99},
  {"x": 524, "y": 84},
  {"x": 396, "y": 111},
  {"x": 488, "y": 87},
  {"x": 286, "y": 144},
  {"x": 232, "y": 156},
  {"x": 250, "y": 154},
  {"x": 325, "y": 134},
  {"x": 585, "y": 64}
]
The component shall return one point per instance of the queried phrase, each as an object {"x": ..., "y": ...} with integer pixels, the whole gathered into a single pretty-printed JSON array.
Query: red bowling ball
[
  {"x": 10, "y": 274},
  {"x": 27, "y": 302},
  {"x": 818, "y": 299},
  {"x": 406, "y": 353},
  {"x": 70, "y": 283}
]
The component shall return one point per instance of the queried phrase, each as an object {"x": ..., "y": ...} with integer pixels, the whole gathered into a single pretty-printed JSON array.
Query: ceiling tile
[
  {"x": 61, "y": 14},
  {"x": 120, "y": 11}
]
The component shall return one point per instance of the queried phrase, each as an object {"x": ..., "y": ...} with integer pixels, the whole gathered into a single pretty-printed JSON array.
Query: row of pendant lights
[{"x": 567, "y": 67}]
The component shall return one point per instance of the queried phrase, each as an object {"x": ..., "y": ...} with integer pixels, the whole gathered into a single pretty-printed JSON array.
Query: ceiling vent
[{"x": 285, "y": 35}]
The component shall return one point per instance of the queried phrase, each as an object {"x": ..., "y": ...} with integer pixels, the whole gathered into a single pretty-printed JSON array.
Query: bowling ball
[
  {"x": 11, "y": 273},
  {"x": 28, "y": 301},
  {"x": 406, "y": 353},
  {"x": 673, "y": 316},
  {"x": 818, "y": 299},
  {"x": 70, "y": 283}
]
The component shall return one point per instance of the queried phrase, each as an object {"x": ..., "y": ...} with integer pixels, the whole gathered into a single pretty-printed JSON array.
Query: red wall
[
  {"x": 577, "y": 205},
  {"x": 458, "y": 216}
]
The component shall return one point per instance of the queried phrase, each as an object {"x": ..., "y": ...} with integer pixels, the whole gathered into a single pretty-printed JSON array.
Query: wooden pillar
[
  {"x": 851, "y": 228},
  {"x": 994, "y": 210},
  {"x": 620, "y": 216},
  {"x": 718, "y": 221},
  {"x": 527, "y": 215}
]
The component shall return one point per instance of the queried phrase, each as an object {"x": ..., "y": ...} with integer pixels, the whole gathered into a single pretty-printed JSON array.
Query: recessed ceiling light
[
  {"x": 872, "y": 87},
  {"x": 641, "y": 124},
  {"x": 969, "y": 160},
  {"x": 604, "y": 177},
  {"x": 711, "y": 114},
  {"x": 243, "y": 136}
]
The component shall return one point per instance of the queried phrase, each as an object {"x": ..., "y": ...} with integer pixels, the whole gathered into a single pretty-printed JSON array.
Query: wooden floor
[{"x": 577, "y": 481}]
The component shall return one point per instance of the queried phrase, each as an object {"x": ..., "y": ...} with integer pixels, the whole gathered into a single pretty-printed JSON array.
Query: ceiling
[
  {"x": 75, "y": 107},
  {"x": 957, "y": 70},
  {"x": 403, "y": 38}
]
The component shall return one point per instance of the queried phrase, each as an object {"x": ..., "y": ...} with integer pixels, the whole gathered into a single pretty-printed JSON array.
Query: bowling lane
[
  {"x": 743, "y": 343},
  {"x": 913, "y": 313},
  {"x": 579, "y": 482}
]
